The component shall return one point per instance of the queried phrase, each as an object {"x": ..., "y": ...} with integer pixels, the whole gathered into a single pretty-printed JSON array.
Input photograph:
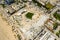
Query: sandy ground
[{"x": 5, "y": 31}]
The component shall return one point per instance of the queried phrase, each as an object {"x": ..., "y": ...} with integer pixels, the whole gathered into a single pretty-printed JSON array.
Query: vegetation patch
[
  {"x": 3, "y": 5},
  {"x": 24, "y": 0},
  {"x": 19, "y": 37},
  {"x": 49, "y": 6},
  {"x": 55, "y": 25},
  {"x": 58, "y": 33},
  {"x": 38, "y": 4},
  {"x": 57, "y": 16},
  {"x": 29, "y": 15}
]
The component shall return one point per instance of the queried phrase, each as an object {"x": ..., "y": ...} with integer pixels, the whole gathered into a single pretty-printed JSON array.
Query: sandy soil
[{"x": 5, "y": 31}]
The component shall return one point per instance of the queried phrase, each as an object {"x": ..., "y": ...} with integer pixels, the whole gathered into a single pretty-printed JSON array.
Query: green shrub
[
  {"x": 29, "y": 15},
  {"x": 58, "y": 33},
  {"x": 38, "y": 4},
  {"x": 19, "y": 37},
  {"x": 49, "y": 6},
  {"x": 57, "y": 16},
  {"x": 55, "y": 25}
]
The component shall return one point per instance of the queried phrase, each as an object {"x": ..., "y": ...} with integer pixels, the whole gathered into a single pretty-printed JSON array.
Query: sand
[{"x": 5, "y": 31}]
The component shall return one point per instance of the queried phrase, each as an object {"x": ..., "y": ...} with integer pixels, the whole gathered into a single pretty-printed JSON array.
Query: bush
[
  {"x": 38, "y": 4},
  {"x": 57, "y": 16},
  {"x": 58, "y": 33},
  {"x": 3, "y": 5},
  {"x": 29, "y": 15},
  {"x": 19, "y": 37},
  {"x": 49, "y": 6},
  {"x": 55, "y": 25}
]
